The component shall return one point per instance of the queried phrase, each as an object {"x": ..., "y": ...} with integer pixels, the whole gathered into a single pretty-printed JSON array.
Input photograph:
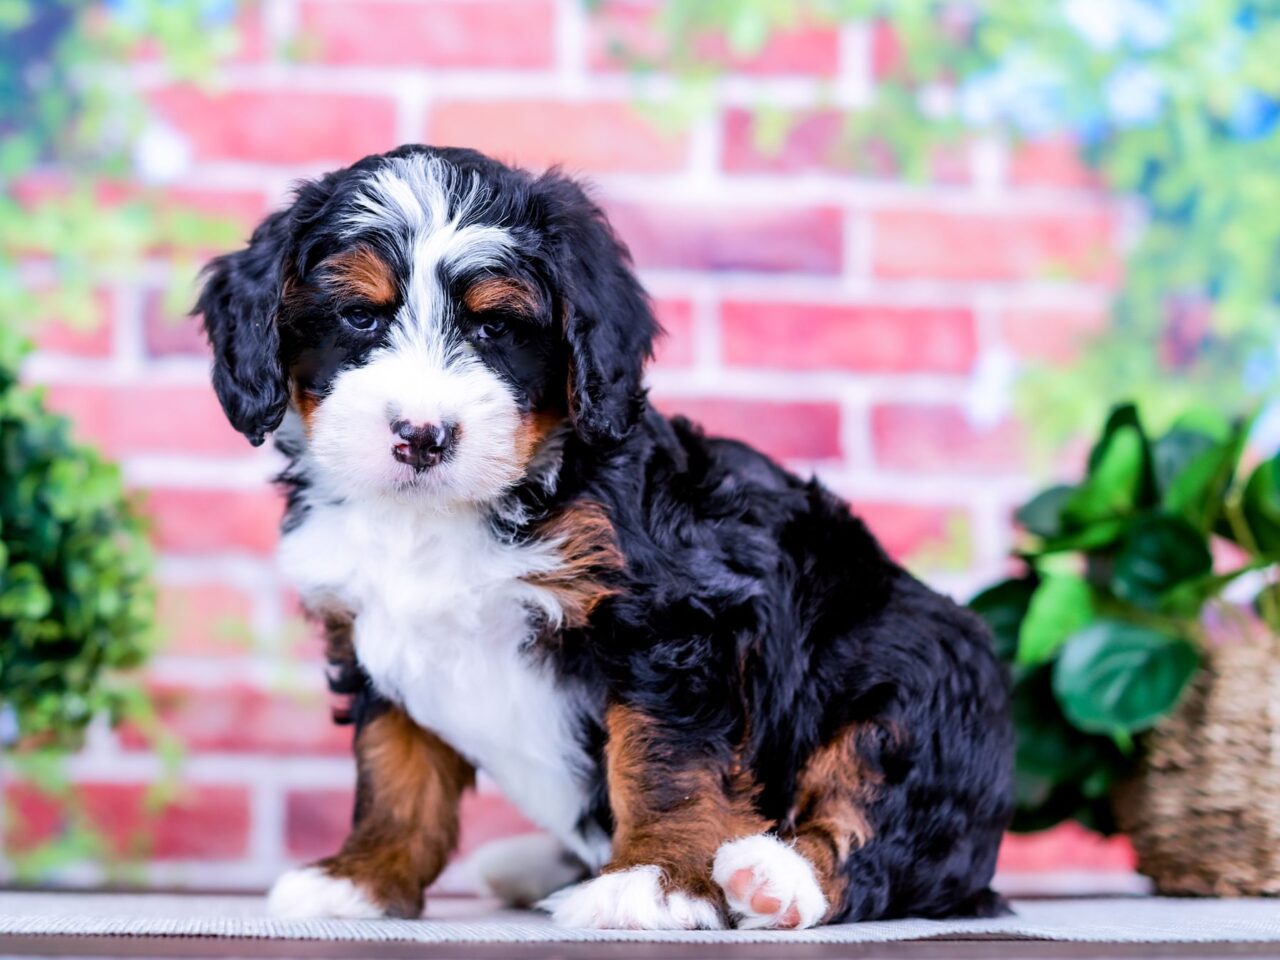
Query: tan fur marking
[
  {"x": 360, "y": 272},
  {"x": 588, "y": 546},
  {"x": 830, "y": 813},
  {"x": 409, "y": 782},
  {"x": 672, "y": 811},
  {"x": 535, "y": 427},
  {"x": 306, "y": 403},
  {"x": 500, "y": 293}
]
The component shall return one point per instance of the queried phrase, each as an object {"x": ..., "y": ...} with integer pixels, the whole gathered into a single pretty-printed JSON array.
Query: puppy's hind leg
[{"x": 522, "y": 870}]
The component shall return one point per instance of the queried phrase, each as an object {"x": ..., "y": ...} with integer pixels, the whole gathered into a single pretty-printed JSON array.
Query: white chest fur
[{"x": 442, "y": 623}]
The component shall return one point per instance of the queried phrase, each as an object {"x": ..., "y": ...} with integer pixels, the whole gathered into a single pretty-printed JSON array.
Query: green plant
[
  {"x": 76, "y": 605},
  {"x": 1103, "y": 628},
  {"x": 1177, "y": 104},
  {"x": 83, "y": 202}
]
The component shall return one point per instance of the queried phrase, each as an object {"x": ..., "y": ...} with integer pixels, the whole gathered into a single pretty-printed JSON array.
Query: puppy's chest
[{"x": 444, "y": 619}]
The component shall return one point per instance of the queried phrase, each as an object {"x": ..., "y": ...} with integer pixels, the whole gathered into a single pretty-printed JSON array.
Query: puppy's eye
[
  {"x": 490, "y": 330},
  {"x": 362, "y": 320}
]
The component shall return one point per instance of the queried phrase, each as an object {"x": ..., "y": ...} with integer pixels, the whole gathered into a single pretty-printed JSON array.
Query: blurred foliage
[
  {"x": 1175, "y": 103},
  {"x": 76, "y": 605},
  {"x": 76, "y": 191},
  {"x": 83, "y": 201},
  {"x": 1103, "y": 629}
]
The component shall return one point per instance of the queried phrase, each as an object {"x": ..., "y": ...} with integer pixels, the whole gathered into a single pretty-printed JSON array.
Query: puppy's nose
[{"x": 422, "y": 445}]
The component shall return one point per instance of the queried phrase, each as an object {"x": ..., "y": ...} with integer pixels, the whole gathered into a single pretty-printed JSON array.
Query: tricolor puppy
[{"x": 698, "y": 673}]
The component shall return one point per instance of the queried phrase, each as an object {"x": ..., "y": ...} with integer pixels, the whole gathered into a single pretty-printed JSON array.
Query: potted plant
[
  {"x": 76, "y": 604},
  {"x": 1141, "y": 636}
]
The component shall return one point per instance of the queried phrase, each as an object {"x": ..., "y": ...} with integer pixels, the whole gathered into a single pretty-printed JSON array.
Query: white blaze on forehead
[
  {"x": 425, "y": 202},
  {"x": 425, "y": 371}
]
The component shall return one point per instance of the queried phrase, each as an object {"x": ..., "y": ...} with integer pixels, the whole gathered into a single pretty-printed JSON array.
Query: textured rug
[{"x": 1112, "y": 920}]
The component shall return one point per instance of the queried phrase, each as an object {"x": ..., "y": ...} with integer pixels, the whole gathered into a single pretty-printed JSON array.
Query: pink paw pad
[
  {"x": 746, "y": 888},
  {"x": 768, "y": 885}
]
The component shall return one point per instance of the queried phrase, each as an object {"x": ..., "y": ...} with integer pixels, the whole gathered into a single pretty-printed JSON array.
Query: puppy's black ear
[
  {"x": 609, "y": 323},
  {"x": 239, "y": 302}
]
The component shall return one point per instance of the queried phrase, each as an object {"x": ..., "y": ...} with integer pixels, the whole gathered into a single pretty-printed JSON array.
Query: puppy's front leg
[
  {"x": 674, "y": 803},
  {"x": 408, "y": 784}
]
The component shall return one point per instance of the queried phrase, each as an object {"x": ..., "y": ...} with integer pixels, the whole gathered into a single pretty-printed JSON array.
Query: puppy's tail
[{"x": 984, "y": 905}]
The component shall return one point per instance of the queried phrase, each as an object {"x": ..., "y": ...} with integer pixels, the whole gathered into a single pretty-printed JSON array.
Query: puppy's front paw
[
  {"x": 632, "y": 899},
  {"x": 310, "y": 892},
  {"x": 768, "y": 885}
]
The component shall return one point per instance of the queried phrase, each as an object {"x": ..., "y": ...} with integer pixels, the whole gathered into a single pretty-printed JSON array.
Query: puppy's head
[{"x": 429, "y": 315}]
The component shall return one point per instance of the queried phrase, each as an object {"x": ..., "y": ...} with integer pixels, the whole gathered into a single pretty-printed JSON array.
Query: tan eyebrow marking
[
  {"x": 500, "y": 293},
  {"x": 362, "y": 273}
]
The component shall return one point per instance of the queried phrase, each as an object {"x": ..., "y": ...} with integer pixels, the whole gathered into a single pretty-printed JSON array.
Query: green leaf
[
  {"x": 1194, "y": 464},
  {"x": 1058, "y": 767},
  {"x": 1003, "y": 607},
  {"x": 1260, "y": 504},
  {"x": 1061, "y": 605},
  {"x": 1120, "y": 678},
  {"x": 23, "y": 595},
  {"x": 1158, "y": 553},
  {"x": 1095, "y": 536},
  {"x": 1042, "y": 515},
  {"x": 1120, "y": 477}
]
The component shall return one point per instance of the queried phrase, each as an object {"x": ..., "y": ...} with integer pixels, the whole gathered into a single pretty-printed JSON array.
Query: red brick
[
  {"x": 317, "y": 821},
  {"x": 887, "y": 56},
  {"x": 201, "y": 823},
  {"x": 1053, "y": 334},
  {"x": 93, "y": 340},
  {"x": 608, "y": 137},
  {"x": 767, "y": 240},
  {"x": 799, "y": 430},
  {"x": 624, "y": 32},
  {"x": 1052, "y": 163},
  {"x": 55, "y": 334},
  {"x": 204, "y": 619},
  {"x": 1068, "y": 846},
  {"x": 136, "y": 419},
  {"x": 306, "y": 638},
  {"x": 288, "y": 126},
  {"x": 675, "y": 348},
  {"x": 973, "y": 246},
  {"x": 813, "y": 140},
  {"x": 941, "y": 438},
  {"x": 488, "y": 816},
  {"x": 40, "y": 186},
  {"x": 907, "y": 528},
  {"x": 820, "y": 141},
  {"x": 889, "y": 60},
  {"x": 212, "y": 521},
  {"x": 244, "y": 719},
  {"x": 509, "y": 34},
  {"x": 168, "y": 333},
  {"x": 873, "y": 339}
]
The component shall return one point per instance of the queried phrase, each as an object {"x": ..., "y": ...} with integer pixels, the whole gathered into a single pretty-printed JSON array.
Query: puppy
[{"x": 698, "y": 673}]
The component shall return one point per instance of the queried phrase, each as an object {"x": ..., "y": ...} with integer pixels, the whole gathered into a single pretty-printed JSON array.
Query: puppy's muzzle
[{"x": 422, "y": 445}]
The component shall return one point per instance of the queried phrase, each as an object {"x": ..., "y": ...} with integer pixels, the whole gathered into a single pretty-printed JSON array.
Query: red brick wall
[{"x": 856, "y": 325}]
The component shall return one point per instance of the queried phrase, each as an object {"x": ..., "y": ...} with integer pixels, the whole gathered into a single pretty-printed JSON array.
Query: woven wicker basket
[{"x": 1203, "y": 812}]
